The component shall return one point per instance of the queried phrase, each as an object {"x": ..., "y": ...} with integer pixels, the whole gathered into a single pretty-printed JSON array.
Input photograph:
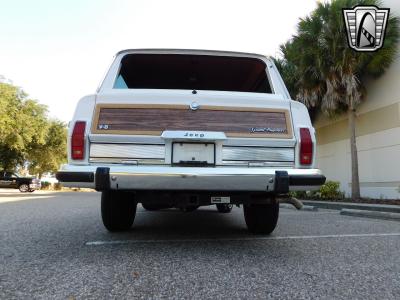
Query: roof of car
[{"x": 193, "y": 51}]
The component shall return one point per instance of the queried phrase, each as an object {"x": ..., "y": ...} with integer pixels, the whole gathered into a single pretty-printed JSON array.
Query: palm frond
[{"x": 328, "y": 74}]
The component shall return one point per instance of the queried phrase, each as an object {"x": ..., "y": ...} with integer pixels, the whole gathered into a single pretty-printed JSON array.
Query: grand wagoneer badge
[{"x": 267, "y": 130}]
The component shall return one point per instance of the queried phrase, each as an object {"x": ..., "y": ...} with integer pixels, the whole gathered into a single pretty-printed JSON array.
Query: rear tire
[
  {"x": 261, "y": 218},
  {"x": 118, "y": 210},
  {"x": 23, "y": 188},
  {"x": 224, "y": 208}
]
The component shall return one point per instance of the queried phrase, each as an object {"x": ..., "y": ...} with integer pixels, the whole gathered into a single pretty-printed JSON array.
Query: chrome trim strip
[
  {"x": 260, "y": 164},
  {"x": 266, "y": 154},
  {"x": 127, "y": 151},
  {"x": 127, "y": 161},
  {"x": 125, "y": 139}
]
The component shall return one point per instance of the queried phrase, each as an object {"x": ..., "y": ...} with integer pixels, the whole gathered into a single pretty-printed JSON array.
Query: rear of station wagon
[{"x": 187, "y": 128}]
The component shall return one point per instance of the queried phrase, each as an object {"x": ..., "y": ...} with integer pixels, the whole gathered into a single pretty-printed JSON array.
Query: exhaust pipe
[{"x": 291, "y": 200}]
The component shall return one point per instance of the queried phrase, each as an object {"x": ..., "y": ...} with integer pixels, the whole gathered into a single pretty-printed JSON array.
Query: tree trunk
[{"x": 355, "y": 180}]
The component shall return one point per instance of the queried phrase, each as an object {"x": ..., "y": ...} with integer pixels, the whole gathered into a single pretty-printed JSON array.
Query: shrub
[
  {"x": 57, "y": 186},
  {"x": 330, "y": 190},
  {"x": 298, "y": 194},
  {"x": 45, "y": 185},
  {"x": 314, "y": 195}
]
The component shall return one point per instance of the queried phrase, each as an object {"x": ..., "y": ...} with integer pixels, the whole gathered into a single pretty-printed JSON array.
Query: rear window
[{"x": 193, "y": 72}]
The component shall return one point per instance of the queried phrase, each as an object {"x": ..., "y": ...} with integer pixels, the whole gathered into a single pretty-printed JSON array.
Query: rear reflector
[
  {"x": 306, "y": 147},
  {"x": 78, "y": 141}
]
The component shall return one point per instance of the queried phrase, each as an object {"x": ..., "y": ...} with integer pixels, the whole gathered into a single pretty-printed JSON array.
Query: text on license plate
[{"x": 220, "y": 200}]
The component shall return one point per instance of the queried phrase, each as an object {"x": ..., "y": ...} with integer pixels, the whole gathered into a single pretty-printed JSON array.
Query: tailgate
[
  {"x": 142, "y": 119},
  {"x": 246, "y": 128}
]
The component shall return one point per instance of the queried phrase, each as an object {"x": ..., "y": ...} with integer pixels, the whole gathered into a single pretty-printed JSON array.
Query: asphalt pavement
[{"x": 54, "y": 246}]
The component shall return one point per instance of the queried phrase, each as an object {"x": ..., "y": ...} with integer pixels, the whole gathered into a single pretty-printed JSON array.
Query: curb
[
  {"x": 305, "y": 207},
  {"x": 370, "y": 214},
  {"x": 354, "y": 206}
]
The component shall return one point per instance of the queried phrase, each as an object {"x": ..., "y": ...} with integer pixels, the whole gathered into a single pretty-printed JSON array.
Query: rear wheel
[
  {"x": 23, "y": 188},
  {"x": 118, "y": 210},
  {"x": 261, "y": 218},
  {"x": 224, "y": 207}
]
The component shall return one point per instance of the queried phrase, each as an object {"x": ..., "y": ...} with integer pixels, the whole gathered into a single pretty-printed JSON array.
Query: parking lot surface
[{"x": 53, "y": 245}]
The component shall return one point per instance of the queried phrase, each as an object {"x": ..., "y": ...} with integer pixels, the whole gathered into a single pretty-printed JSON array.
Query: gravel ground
[{"x": 53, "y": 245}]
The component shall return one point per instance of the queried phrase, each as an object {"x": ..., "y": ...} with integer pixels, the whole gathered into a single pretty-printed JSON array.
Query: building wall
[{"x": 378, "y": 137}]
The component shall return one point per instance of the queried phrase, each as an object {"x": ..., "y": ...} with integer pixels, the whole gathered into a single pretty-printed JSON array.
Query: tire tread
[{"x": 118, "y": 210}]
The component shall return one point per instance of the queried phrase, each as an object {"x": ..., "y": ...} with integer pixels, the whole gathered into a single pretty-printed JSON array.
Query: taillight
[
  {"x": 306, "y": 147},
  {"x": 78, "y": 140}
]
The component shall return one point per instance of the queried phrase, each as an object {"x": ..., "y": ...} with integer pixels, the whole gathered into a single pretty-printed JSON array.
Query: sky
[{"x": 58, "y": 51}]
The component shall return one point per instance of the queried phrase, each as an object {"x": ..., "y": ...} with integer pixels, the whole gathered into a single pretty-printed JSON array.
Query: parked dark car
[{"x": 14, "y": 181}]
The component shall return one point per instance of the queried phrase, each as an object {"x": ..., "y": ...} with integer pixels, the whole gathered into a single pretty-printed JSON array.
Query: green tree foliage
[
  {"x": 27, "y": 136},
  {"x": 47, "y": 156},
  {"x": 326, "y": 74}
]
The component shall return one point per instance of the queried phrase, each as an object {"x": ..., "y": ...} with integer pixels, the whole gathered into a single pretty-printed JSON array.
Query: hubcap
[{"x": 23, "y": 188}]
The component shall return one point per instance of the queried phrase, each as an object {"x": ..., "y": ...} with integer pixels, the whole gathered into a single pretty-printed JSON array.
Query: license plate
[
  {"x": 217, "y": 200},
  {"x": 187, "y": 153}
]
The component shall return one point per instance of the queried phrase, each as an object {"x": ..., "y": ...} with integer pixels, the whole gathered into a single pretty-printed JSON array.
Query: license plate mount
[{"x": 193, "y": 154}]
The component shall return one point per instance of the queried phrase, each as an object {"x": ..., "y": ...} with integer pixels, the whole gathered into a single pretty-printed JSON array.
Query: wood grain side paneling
[{"x": 153, "y": 120}]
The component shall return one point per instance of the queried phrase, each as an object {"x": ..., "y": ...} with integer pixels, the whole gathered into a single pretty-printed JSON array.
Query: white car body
[{"x": 131, "y": 174}]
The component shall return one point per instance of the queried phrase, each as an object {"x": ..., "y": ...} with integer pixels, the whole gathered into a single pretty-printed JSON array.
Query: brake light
[
  {"x": 306, "y": 147},
  {"x": 78, "y": 140}
]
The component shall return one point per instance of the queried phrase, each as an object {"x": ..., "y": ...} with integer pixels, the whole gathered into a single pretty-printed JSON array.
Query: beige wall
[
  {"x": 378, "y": 137},
  {"x": 379, "y": 163}
]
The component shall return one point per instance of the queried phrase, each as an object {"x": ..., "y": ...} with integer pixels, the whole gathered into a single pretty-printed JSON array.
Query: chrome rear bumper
[
  {"x": 120, "y": 177},
  {"x": 35, "y": 186}
]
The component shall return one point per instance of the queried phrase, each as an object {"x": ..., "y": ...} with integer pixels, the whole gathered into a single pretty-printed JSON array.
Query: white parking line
[
  {"x": 13, "y": 199},
  {"x": 293, "y": 237}
]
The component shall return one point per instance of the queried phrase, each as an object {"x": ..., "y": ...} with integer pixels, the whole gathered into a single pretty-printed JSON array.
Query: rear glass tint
[{"x": 192, "y": 72}]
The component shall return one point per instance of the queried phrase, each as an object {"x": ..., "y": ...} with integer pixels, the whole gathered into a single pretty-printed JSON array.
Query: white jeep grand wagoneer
[{"x": 186, "y": 128}]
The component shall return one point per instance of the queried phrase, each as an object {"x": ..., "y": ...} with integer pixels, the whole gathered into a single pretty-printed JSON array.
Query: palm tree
[{"x": 330, "y": 76}]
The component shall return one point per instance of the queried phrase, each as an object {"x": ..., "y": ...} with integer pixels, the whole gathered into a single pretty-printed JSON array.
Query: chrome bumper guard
[{"x": 102, "y": 178}]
